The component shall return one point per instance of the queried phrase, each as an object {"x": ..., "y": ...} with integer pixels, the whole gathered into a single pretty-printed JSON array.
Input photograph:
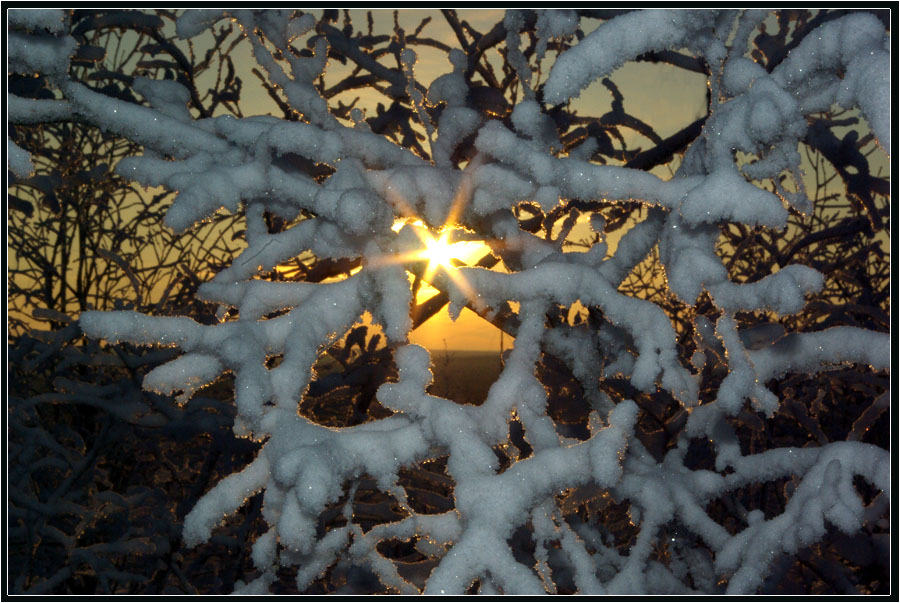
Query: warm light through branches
[{"x": 439, "y": 252}]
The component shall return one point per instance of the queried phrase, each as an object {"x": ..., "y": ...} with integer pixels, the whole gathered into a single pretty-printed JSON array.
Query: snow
[
  {"x": 226, "y": 497},
  {"x": 170, "y": 98},
  {"x": 530, "y": 122},
  {"x": 557, "y": 23},
  {"x": 141, "y": 124},
  {"x": 53, "y": 21},
  {"x": 451, "y": 87},
  {"x": 34, "y": 111},
  {"x": 858, "y": 44},
  {"x": 616, "y": 41},
  {"x": 190, "y": 372},
  {"x": 303, "y": 467},
  {"x": 193, "y": 23},
  {"x": 18, "y": 160},
  {"x": 45, "y": 54}
]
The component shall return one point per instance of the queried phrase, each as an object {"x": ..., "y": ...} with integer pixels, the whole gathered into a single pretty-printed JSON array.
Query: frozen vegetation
[{"x": 517, "y": 161}]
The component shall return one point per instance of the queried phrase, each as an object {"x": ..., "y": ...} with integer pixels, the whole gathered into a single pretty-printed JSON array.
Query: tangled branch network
[{"x": 384, "y": 203}]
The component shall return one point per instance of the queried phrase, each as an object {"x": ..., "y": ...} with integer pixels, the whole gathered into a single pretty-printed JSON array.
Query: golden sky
[
  {"x": 666, "y": 97},
  {"x": 673, "y": 101},
  {"x": 663, "y": 96}
]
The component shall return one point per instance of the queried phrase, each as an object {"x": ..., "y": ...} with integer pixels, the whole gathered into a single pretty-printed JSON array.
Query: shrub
[{"x": 700, "y": 409}]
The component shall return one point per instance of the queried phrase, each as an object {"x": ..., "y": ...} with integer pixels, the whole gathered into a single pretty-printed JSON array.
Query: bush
[{"x": 695, "y": 399}]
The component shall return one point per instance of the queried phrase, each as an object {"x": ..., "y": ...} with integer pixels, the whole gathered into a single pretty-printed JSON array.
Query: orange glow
[{"x": 439, "y": 252}]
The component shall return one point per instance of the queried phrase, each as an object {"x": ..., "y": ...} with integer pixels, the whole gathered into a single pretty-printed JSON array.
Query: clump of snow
[
  {"x": 554, "y": 24},
  {"x": 194, "y": 22},
  {"x": 51, "y": 20},
  {"x": 618, "y": 40},
  {"x": 189, "y": 372},
  {"x": 18, "y": 160},
  {"x": 30, "y": 54},
  {"x": 170, "y": 98}
]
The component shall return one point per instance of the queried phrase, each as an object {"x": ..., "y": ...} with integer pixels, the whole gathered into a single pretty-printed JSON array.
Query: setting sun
[{"x": 439, "y": 252}]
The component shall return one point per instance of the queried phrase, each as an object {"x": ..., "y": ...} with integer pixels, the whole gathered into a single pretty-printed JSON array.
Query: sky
[{"x": 666, "y": 97}]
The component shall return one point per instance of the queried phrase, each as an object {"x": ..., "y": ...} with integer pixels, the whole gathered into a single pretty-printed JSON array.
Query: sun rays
[
  {"x": 442, "y": 249},
  {"x": 441, "y": 252},
  {"x": 438, "y": 252}
]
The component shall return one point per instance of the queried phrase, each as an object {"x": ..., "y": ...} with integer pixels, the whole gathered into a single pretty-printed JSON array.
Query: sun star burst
[{"x": 439, "y": 252}]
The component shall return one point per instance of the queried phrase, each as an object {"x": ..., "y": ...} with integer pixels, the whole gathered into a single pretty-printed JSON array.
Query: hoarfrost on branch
[{"x": 302, "y": 467}]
